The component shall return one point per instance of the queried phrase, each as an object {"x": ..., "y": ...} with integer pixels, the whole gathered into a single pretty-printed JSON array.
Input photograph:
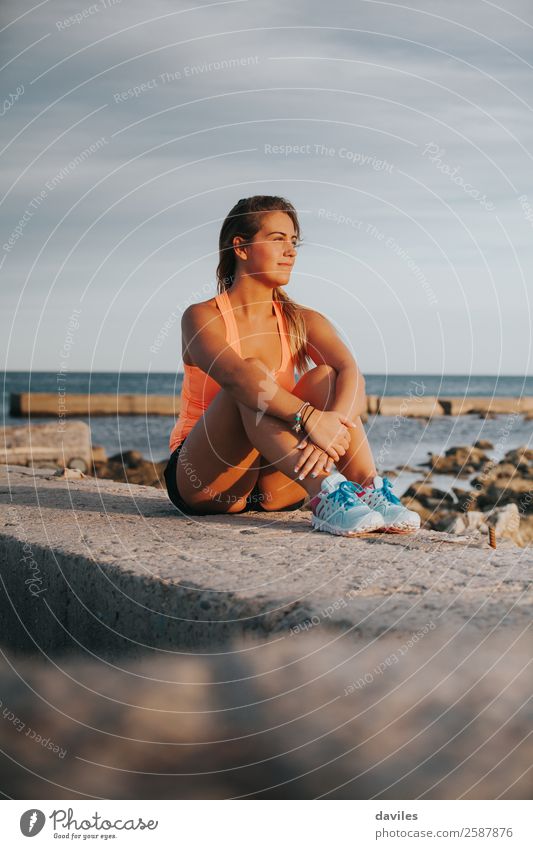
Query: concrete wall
[
  {"x": 117, "y": 567},
  {"x": 47, "y": 404}
]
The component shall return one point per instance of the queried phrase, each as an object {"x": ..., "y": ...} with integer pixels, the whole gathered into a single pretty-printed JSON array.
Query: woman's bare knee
[{"x": 317, "y": 386}]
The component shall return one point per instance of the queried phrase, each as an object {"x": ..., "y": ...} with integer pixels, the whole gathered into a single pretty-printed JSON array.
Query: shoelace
[
  {"x": 388, "y": 493},
  {"x": 345, "y": 493}
]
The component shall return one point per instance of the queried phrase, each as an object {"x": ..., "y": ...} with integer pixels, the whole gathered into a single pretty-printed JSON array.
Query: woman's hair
[{"x": 245, "y": 220}]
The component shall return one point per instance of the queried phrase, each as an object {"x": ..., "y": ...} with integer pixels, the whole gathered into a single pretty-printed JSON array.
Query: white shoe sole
[{"x": 366, "y": 527}]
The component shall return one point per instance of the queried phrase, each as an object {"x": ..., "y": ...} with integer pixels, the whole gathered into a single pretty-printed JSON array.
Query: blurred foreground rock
[{"x": 438, "y": 714}]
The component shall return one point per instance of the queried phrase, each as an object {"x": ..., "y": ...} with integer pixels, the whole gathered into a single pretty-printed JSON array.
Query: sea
[{"x": 396, "y": 442}]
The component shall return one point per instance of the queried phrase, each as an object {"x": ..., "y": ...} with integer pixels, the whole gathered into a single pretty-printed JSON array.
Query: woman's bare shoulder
[
  {"x": 199, "y": 310},
  {"x": 197, "y": 319},
  {"x": 309, "y": 315}
]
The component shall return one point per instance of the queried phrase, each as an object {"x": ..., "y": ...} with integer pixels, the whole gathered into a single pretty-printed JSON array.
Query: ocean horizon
[
  {"x": 408, "y": 443},
  {"x": 161, "y": 383}
]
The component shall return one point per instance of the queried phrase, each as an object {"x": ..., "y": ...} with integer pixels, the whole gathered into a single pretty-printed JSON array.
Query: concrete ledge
[
  {"x": 414, "y": 404},
  {"x": 428, "y": 405},
  {"x": 56, "y": 444},
  {"x": 117, "y": 567},
  {"x": 497, "y": 406},
  {"x": 97, "y": 404}
]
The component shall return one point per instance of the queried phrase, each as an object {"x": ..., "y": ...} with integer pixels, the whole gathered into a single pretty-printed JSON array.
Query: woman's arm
[
  {"x": 246, "y": 381},
  {"x": 324, "y": 346},
  {"x": 350, "y": 395},
  {"x": 249, "y": 381}
]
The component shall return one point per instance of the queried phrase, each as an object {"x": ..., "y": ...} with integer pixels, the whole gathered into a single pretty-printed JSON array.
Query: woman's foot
[
  {"x": 397, "y": 519},
  {"x": 338, "y": 508}
]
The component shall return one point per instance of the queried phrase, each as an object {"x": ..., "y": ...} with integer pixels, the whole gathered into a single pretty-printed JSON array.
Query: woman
[{"x": 249, "y": 435}]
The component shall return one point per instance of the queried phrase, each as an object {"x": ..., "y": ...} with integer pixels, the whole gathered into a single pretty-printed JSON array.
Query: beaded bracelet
[{"x": 297, "y": 426}]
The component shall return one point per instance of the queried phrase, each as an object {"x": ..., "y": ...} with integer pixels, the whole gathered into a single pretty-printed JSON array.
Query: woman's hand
[
  {"x": 312, "y": 459},
  {"x": 328, "y": 429}
]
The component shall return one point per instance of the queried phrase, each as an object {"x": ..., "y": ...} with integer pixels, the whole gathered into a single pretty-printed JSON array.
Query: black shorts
[{"x": 253, "y": 501}]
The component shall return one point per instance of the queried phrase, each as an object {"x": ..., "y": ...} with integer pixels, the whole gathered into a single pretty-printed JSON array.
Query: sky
[{"x": 402, "y": 133}]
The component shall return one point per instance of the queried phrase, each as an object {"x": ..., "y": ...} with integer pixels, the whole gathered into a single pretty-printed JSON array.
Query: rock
[
  {"x": 505, "y": 521},
  {"x": 430, "y": 714},
  {"x": 484, "y": 444},
  {"x": 47, "y": 444},
  {"x": 78, "y": 463},
  {"x": 468, "y": 454},
  {"x": 448, "y": 466},
  {"x": 505, "y": 469},
  {"x": 428, "y": 495},
  {"x": 131, "y": 467},
  {"x": 503, "y": 491},
  {"x": 520, "y": 456},
  {"x": 99, "y": 454},
  {"x": 466, "y": 498},
  {"x": 463, "y": 523},
  {"x": 451, "y": 523},
  {"x": 493, "y": 472},
  {"x": 427, "y": 515},
  {"x": 475, "y": 520},
  {"x": 73, "y": 474},
  {"x": 130, "y": 459},
  {"x": 461, "y": 461},
  {"x": 524, "y": 536}
]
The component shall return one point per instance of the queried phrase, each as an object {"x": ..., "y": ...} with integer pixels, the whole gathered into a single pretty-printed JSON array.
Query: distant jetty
[{"x": 41, "y": 404}]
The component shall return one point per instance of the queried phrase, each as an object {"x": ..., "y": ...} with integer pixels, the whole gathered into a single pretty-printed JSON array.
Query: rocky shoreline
[
  {"x": 128, "y": 467},
  {"x": 501, "y": 493}
]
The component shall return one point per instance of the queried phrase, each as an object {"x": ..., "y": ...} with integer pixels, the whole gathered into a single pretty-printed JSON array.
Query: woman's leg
[
  {"x": 318, "y": 387},
  {"x": 358, "y": 462},
  {"x": 217, "y": 466},
  {"x": 219, "y": 463},
  {"x": 224, "y": 454}
]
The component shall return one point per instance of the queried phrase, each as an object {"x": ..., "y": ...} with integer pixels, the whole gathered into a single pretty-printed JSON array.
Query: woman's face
[{"x": 271, "y": 254}]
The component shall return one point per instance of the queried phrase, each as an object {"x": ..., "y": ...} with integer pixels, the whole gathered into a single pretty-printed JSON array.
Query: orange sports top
[{"x": 199, "y": 389}]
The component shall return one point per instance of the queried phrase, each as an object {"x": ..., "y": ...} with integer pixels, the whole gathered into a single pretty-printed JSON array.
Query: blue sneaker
[
  {"x": 339, "y": 508},
  {"x": 397, "y": 519}
]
